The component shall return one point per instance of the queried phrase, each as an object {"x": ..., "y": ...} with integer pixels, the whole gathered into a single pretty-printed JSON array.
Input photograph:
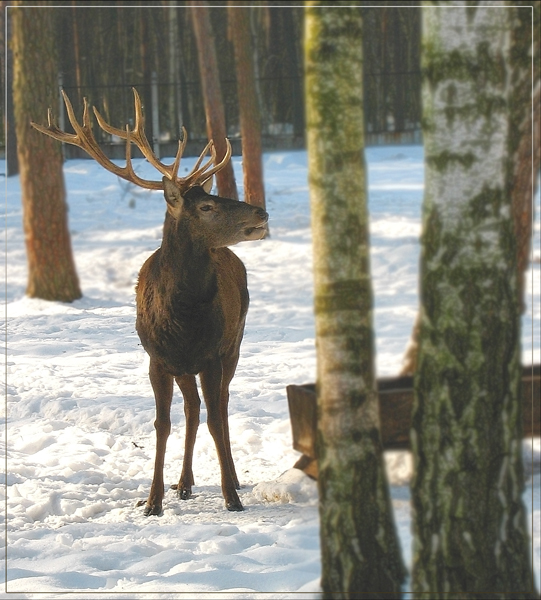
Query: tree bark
[
  {"x": 469, "y": 522},
  {"x": 525, "y": 107},
  {"x": 212, "y": 95},
  {"x": 359, "y": 544},
  {"x": 51, "y": 270},
  {"x": 12, "y": 166},
  {"x": 250, "y": 121},
  {"x": 525, "y": 146}
]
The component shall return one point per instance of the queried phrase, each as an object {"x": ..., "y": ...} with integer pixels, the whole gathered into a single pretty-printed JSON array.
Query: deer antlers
[{"x": 84, "y": 139}]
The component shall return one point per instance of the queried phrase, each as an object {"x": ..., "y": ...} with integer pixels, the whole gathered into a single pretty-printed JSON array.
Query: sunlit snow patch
[{"x": 291, "y": 486}]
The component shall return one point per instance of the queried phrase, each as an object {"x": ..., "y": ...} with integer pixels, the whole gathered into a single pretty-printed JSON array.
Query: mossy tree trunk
[
  {"x": 525, "y": 146},
  {"x": 470, "y": 533},
  {"x": 51, "y": 269},
  {"x": 359, "y": 544}
]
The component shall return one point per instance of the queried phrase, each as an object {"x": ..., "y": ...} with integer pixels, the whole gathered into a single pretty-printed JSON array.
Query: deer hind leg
[
  {"x": 229, "y": 366},
  {"x": 192, "y": 404},
  {"x": 162, "y": 384},
  {"x": 211, "y": 383}
]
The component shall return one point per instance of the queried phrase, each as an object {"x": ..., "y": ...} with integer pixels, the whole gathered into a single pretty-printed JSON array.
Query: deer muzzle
[{"x": 257, "y": 232}]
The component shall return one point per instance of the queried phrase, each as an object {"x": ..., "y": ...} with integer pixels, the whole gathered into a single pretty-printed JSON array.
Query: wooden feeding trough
[{"x": 396, "y": 402}]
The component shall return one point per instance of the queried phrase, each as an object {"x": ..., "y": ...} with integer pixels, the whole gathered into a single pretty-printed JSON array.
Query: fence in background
[{"x": 391, "y": 116}]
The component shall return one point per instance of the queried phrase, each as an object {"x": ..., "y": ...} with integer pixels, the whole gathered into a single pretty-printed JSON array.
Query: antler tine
[
  {"x": 92, "y": 147},
  {"x": 53, "y": 131},
  {"x": 224, "y": 160},
  {"x": 181, "y": 146},
  {"x": 203, "y": 174},
  {"x": 196, "y": 170},
  {"x": 221, "y": 164},
  {"x": 84, "y": 139},
  {"x": 195, "y": 176},
  {"x": 137, "y": 135},
  {"x": 121, "y": 133}
]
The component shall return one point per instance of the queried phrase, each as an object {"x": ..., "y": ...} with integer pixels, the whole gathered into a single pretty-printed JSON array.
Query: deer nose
[{"x": 262, "y": 214}]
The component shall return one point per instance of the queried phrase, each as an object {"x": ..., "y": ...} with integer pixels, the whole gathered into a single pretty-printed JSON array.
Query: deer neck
[{"x": 188, "y": 268}]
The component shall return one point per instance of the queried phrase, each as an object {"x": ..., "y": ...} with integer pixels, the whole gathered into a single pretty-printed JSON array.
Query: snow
[{"x": 80, "y": 411}]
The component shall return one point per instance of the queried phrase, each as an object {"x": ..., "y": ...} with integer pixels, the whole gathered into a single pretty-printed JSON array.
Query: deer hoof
[
  {"x": 184, "y": 493},
  {"x": 152, "y": 511},
  {"x": 235, "y": 506}
]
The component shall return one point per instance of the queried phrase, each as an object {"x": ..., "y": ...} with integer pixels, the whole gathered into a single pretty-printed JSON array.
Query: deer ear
[
  {"x": 173, "y": 197},
  {"x": 207, "y": 186}
]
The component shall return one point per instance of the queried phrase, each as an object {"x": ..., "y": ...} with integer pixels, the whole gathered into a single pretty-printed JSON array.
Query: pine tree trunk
[
  {"x": 250, "y": 122},
  {"x": 470, "y": 534},
  {"x": 51, "y": 270},
  {"x": 359, "y": 544},
  {"x": 12, "y": 162},
  {"x": 212, "y": 94}
]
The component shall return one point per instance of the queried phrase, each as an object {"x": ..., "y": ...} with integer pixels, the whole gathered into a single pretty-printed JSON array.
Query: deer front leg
[
  {"x": 211, "y": 383},
  {"x": 162, "y": 384},
  {"x": 192, "y": 404}
]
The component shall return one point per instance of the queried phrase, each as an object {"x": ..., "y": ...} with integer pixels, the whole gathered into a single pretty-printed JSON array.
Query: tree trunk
[
  {"x": 250, "y": 122},
  {"x": 51, "y": 270},
  {"x": 525, "y": 148},
  {"x": 359, "y": 544},
  {"x": 76, "y": 52},
  {"x": 294, "y": 73},
  {"x": 212, "y": 95},
  {"x": 469, "y": 522},
  {"x": 12, "y": 162},
  {"x": 525, "y": 135},
  {"x": 174, "y": 92}
]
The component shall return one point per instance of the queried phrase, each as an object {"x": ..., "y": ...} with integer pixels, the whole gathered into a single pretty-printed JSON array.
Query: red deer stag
[{"x": 192, "y": 295}]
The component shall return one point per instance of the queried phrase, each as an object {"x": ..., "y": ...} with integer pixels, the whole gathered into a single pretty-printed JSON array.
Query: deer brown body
[{"x": 192, "y": 299}]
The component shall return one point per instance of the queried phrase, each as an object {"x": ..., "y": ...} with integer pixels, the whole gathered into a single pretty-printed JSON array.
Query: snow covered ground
[{"x": 80, "y": 410}]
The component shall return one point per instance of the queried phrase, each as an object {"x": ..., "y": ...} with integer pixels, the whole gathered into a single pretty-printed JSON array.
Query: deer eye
[{"x": 206, "y": 207}]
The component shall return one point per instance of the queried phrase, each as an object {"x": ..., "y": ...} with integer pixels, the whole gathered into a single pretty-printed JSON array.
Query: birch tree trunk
[
  {"x": 51, "y": 269},
  {"x": 525, "y": 107},
  {"x": 470, "y": 534},
  {"x": 359, "y": 544}
]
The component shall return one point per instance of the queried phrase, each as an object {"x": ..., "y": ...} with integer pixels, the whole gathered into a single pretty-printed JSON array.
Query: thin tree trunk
[
  {"x": 359, "y": 544},
  {"x": 51, "y": 270},
  {"x": 76, "y": 52},
  {"x": 174, "y": 92},
  {"x": 469, "y": 521},
  {"x": 525, "y": 108},
  {"x": 293, "y": 72},
  {"x": 250, "y": 122},
  {"x": 212, "y": 94},
  {"x": 12, "y": 162}
]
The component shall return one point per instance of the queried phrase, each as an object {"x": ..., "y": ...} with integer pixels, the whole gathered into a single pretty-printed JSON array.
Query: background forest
[{"x": 106, "y": 48}]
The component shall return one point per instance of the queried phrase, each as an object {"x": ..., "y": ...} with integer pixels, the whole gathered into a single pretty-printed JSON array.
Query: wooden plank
[{"x": 396, "y": 402}]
